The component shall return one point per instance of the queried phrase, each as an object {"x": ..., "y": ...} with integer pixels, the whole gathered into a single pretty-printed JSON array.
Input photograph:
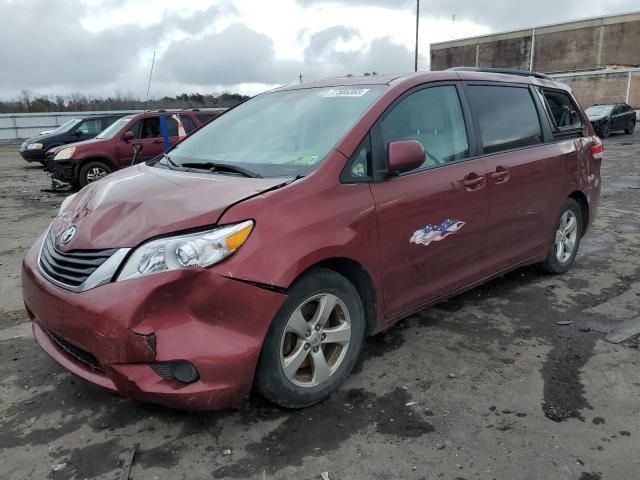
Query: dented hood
[{"x": 140, "y": 202}]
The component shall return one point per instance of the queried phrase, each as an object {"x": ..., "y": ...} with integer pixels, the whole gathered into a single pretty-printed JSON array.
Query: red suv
[
  {"x": 84, "y": 162},
  {"x": 264, "y": 248}
]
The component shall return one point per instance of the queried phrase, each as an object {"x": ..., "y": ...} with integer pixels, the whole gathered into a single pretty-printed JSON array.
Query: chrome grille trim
[{"x": 78, "y": 270}]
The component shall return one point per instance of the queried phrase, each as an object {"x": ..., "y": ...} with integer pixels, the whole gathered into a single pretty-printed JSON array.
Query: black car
[
  {"x": 75, "y": 130},
  {"x": 607, "y": 118}
]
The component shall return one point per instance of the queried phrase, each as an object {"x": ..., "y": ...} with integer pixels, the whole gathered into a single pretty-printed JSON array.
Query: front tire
[
  {"x": 566, "y": 239},
  {"x": 605, "y": 130},
  {"x": 93, "y": 171},
  {"x": 313, "y": 342}
]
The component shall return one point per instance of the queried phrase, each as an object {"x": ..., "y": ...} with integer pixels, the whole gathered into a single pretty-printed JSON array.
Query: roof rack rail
[{"x": 505, "y": 71}]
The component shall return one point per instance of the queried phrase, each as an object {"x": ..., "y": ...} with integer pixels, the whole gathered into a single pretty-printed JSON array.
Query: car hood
[
  {"x": 595, "y": 118},
  {"x": 84, "y": 143},
  {"x": 140, "y": 202}
]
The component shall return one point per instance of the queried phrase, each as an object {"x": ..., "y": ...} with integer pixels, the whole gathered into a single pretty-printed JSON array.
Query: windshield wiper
[
  {"x": 220, "y": 167},
  {"x": 169, "y": 161}
]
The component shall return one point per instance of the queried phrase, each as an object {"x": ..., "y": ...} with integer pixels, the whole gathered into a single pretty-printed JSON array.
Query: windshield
[
  {"x": 599, "y": 110},
  {"x": 66, "y": 126},
  {"x": 113, "y": 129},
  {"x": 279, "y": 134}
]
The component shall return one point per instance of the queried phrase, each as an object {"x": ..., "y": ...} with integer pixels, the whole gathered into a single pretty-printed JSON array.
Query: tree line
[{"x": 28, "y": 102}]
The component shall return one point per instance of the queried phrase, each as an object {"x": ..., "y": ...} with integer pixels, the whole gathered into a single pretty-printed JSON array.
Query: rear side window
[
  {"x": 205, "y": 117},
  {"x": 433, "y": 117},
  {"x": 188, "y": 124},
  {"x": 562, "y": 109},
  {"x": 90, "y": 127}
]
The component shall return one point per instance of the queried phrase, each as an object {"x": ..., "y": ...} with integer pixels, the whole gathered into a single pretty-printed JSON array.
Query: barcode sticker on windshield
[{"x": 345, "y": 92}]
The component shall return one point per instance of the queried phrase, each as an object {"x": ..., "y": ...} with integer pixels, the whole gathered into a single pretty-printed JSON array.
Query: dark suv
[
  {"x": 116, "y": 147},
  {"x": 607, "y": 118},
  {"x": 74, "y": 130}
]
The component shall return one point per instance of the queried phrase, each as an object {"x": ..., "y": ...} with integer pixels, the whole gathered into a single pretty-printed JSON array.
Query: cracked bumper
[{"x": 216, "y": 323}]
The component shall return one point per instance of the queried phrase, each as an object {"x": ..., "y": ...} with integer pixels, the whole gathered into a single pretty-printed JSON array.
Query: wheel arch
[
  {"x": 582, "y": 201},
  {"x": 360, "y": 278},
  {"x": 95, "y": 158}
]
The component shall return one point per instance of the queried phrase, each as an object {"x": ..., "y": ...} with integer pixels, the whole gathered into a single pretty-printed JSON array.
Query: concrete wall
[
  {"x": 585, "y": 44},
  {"x": 604, "y": 87}
]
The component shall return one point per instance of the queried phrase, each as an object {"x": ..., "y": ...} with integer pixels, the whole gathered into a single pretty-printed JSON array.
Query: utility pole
[{"x": 417, "y": 30}]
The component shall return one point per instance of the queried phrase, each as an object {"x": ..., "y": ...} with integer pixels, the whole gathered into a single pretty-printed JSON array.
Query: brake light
[{"x": 597, "y": 150}]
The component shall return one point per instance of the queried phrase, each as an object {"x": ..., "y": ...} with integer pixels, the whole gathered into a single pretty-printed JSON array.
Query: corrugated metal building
[{"x": 597, "y": 57}]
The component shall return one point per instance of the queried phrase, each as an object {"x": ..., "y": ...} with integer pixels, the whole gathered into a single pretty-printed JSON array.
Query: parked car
[
  {"x": 608, "y": 118},
  {"x": 88, "y": 161},
  {"x": 74, "y": 130},
  {"x": 264, "y": 248}
]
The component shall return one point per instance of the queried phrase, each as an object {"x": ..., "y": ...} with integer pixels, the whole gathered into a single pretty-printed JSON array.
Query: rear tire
[
  {"x": 93, "y": 171},
  {"x": 632, "y": 126},
  {"x": 302, "y": 362},
  {"x": 565, "y": 241}
]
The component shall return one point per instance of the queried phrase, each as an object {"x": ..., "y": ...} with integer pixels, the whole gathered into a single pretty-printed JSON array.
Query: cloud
[
  {"x": 500, "y": 15},
  {"x": 241, "y": 55},
  {"x": 46, "y": 47}
]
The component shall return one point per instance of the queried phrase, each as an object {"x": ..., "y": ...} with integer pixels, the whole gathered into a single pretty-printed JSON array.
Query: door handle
[
  {"x": 501, "y": 175},
  {"x": 158, "y": 141},
  {"x": 474, "y": 181}
]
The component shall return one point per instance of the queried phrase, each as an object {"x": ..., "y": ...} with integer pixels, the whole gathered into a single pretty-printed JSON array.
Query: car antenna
[{"x": 138, "y": 148}]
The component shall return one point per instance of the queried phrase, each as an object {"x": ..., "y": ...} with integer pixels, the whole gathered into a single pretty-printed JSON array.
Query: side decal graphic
[{"x": 435, "y": 233}]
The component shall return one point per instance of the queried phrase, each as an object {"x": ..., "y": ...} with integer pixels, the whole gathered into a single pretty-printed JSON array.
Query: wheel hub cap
[{"x": 315, "y": 340}]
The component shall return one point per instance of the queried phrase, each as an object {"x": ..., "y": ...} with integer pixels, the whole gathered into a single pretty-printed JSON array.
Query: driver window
[{"x": 433, "y": 117}]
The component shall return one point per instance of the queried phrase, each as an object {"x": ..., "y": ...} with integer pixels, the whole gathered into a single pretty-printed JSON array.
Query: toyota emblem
[{"x": 67, "y": 235}]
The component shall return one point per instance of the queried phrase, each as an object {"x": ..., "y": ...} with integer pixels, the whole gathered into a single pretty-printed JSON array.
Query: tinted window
[
  {"x": 90, "y": 127},
  {"x": 564, "y": 112},
  {"x": 188, "y": 124},
  {"x": 150, "y": 128},
  {"x": 205, "y": 117},
  {"x": 507, "y": 117},
  {"x": 433, "y": 117}
]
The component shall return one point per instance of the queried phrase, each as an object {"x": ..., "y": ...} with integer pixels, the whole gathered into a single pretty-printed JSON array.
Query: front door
[{"x": 431, "y": 221}]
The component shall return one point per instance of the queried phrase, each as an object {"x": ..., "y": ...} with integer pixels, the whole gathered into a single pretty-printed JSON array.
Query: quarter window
[
  {"x": 433, "y": 117},
  {"x": 507, "y": 117},
  {"x": 564, "y": 113}
]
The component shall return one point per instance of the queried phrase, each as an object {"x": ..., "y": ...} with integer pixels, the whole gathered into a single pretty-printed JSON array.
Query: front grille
[
  {"x": 71, "y": 268},
  {"x": 76, "y": 352}
]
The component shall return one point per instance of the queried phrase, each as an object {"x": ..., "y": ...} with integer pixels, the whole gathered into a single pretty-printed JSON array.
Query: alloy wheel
[
  {"x": 566, "y": 236},
  {"x": 315, "y": 340},
  {"x": 96, "y": 173}
]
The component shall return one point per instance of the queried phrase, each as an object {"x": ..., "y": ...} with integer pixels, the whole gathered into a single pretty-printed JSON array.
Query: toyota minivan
[{"x": 261, "y": 251}]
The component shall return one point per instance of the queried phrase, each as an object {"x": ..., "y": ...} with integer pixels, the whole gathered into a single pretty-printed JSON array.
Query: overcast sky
[{"x": 101, "y": 47}]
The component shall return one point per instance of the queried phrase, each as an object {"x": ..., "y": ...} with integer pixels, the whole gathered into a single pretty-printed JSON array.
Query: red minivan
[{"x": 261, "y": 251}]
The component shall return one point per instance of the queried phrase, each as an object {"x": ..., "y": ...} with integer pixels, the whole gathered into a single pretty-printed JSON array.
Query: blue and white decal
[{"x": 435, "y": 233}]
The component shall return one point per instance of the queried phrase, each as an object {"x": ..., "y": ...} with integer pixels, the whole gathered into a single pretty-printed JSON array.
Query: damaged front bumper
[{"x": 118, "y": 334}]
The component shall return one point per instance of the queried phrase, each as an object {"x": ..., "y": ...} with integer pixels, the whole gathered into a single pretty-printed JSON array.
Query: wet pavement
[{"x": 518, "y": 378}]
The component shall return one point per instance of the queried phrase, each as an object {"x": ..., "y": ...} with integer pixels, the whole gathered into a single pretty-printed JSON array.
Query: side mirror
[
  {"x": 128, "y": 135},
  {"x": 405, "y": 155},
  {"x": 77, "y": 133}
]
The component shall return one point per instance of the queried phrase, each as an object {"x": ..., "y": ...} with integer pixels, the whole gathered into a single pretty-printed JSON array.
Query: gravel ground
[{"x": 485, "y": 386}]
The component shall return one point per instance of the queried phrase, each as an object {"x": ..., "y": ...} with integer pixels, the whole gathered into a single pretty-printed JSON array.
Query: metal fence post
[{"x": 15, "y": 126}]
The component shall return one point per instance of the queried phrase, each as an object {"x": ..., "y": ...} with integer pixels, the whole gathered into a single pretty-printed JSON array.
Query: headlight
[
  {"x": 65, "y": 153},
  {"x": 65, "y": 203},
  {"x": 34, "y": 146},
  {"x": 201, "y": 249}
]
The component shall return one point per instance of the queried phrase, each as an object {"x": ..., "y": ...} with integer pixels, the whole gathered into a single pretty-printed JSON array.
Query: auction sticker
[{"x": 345, "y": 92}]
